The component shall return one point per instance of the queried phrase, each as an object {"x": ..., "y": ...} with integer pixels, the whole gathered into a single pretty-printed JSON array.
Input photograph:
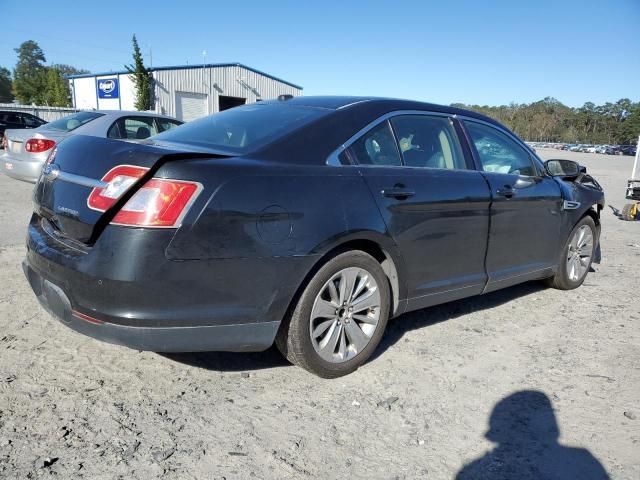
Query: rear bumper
[
  {"x": 235, "y": 338},
  {"x": 124, "y": 290},
  {"x": 28, "y": 171}
]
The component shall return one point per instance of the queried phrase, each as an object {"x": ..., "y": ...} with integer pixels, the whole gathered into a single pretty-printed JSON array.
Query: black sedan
[
  {"x": 307, "y": 222},
  {"x": 12, "y": 120}
]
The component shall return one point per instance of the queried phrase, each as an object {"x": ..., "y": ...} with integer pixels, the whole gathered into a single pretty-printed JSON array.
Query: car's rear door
[
  {"x": 526, "y": 207},
  {"x": 435, "y": 207}
]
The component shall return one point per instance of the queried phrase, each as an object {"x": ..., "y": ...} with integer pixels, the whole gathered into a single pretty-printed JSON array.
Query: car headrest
[{"x": 143, "y": 132}]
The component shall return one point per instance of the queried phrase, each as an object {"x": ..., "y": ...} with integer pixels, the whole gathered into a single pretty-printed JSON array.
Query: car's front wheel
[
  {"x": 340, "y": 317},
  {"x": 577, "y": 256}
]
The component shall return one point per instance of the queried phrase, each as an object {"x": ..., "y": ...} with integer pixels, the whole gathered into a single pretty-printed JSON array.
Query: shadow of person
[{"x": 525, "y": 428}]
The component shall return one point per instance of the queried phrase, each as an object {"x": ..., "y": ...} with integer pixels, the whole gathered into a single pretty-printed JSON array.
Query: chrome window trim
[
  {"x": 333, "y": 159},
  {"x": 537, "y": 162}
]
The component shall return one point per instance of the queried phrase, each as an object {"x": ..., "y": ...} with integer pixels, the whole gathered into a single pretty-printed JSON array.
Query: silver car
[{"x": 27, "y": 150}]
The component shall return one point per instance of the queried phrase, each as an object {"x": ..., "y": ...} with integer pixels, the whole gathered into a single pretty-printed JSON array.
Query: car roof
[
  {"x": 122, "y": 113},
  {"x": 18, "y": 111},
  {"x": 378, "y": 103}
]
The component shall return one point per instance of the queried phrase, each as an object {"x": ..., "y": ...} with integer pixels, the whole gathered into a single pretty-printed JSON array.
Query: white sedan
[{"x": 25, "y": 151}]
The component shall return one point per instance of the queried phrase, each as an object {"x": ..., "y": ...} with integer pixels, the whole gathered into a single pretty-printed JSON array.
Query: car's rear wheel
[
  {"x": 577, "y": 256},
  {"x": 340, "y": 317}
]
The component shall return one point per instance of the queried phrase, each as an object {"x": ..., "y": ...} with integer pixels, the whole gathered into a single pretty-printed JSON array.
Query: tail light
[
  {"x": 5, "y": 142},
  {"x": 38, "y": 145},
  {"x": 160, "y": 203}
]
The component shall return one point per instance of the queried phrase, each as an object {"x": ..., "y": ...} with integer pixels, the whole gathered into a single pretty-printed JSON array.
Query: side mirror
[{"x": 563, "y": 168}]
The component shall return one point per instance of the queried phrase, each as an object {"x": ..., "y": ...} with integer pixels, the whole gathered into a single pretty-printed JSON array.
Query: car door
[
  {"x": 525, "y": 208},
  {"x": 435, "y": 207}
]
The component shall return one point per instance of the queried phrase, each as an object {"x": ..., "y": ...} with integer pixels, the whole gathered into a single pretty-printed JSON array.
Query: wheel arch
[{"x": 379, "y": 247}]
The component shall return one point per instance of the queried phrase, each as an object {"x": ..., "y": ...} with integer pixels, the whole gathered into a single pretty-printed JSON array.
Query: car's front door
[
  {"x": 435, "y": 207},
  {"x": 525, "y": 208}
]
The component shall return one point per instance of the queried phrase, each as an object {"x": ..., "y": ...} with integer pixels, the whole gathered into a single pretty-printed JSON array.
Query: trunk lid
[
  {"x": 80, "y": 162},
  {"x": 16, "y": 140}
]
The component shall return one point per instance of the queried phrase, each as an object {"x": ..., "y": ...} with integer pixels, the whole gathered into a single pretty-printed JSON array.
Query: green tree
[
  {"x": 141, "y": 78},
  {"x": 66, "y": 70},
  {"x": 29, "y": 76},
  {"x": 56, "y": 92},
  {"x": 5, "y": 86}
]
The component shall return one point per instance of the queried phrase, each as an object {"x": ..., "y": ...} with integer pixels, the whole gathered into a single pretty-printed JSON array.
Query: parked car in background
[
  {"x": 27, "y": 150},
  {"x": 309, "y": 222},
  {"x": 627, "y": 150},
  {"x": 12, "y": 120}
]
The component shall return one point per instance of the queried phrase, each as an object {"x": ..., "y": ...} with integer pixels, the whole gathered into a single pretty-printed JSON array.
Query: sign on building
[{"x": 108, "y": 88}]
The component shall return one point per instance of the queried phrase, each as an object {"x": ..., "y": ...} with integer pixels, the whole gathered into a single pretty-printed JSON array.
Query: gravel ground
[{"x": 528, "y": 358}]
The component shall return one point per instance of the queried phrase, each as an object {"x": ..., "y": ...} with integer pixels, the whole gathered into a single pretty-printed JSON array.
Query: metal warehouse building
[{"x": 185, "y": 92}]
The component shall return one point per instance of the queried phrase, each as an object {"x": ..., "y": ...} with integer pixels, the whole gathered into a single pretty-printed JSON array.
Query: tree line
[
  {"x": 34, "y": 82},
  {"x": 548, "y": 120}
]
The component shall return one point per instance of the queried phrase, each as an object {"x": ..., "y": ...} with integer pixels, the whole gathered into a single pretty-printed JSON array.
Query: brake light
[
  {"x": 38, "y": 145},
  {"x": 119, "y": 179},
  {"x": 158, "y": 203}
]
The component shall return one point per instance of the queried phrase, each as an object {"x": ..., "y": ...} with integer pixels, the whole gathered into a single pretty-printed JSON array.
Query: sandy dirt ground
[{"x": 526, "y": 381}]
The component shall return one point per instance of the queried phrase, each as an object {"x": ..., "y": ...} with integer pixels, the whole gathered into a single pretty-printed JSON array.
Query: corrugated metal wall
[{"x": 233, "y": 81}]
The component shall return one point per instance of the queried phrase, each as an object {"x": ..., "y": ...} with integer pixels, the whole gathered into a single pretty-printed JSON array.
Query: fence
[{"x": 46, "y": 113}]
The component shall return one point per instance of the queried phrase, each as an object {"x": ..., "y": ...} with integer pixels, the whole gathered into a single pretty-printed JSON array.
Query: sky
[{"x": 475, "y": 52}]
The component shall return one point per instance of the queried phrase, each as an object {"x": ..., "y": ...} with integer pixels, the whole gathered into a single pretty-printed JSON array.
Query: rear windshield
[
  {"x": 243, "y": 129},
  {"x": 72, "y": 122}
]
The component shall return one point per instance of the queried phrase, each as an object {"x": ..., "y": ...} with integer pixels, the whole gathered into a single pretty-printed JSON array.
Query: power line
[{"x": 75, "y": 42}]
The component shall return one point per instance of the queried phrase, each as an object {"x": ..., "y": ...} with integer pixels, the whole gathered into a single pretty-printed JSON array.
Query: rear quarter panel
[{"x": 252, "y": 209}]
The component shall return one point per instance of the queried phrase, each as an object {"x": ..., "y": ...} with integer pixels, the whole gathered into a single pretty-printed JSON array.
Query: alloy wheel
[
  {"x": 579, "y": 253},
  {"x": 345, "y": 315}
]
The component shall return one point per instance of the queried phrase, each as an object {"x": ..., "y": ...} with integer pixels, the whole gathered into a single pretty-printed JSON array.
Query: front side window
[
  {"x": 498, "y": 153},
  {"x": 376, "y": 147},
  {"x": 12, "y": 118},
  {"x": 428, "y": 142}
]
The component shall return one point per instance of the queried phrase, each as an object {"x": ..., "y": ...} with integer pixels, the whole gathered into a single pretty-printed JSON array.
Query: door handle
[
  {"x": 506, "y": 191},
  {"x": 398, "y": 191}
]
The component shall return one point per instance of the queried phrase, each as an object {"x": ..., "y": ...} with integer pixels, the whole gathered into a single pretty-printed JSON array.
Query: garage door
[{"x": 190, "y": 106}]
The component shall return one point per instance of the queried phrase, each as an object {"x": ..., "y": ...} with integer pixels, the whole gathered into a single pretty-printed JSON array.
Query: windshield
[
  {"x": 243, "y": 129},
  {"x": 72, "y": 122}
]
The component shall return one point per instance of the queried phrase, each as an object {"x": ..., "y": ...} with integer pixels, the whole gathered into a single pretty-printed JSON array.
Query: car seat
[{"x": 426, "y": 150}]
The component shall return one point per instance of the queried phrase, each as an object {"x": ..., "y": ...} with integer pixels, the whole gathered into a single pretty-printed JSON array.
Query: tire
[
  {"x": 574, "y": 264},
  {"x": 345, "y": 349}
]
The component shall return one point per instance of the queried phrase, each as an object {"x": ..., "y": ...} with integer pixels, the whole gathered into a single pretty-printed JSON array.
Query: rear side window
[
  {"x": 165, "y": 124},
  {"x": 243, "y": 129},
  {"x": 74, "y": 121},
  {"x": 498, "y": 153},
  {"x": 376, "y": 147},
  {"x": 133, "y": 128},
  {"x": 428, "y": 142},
  {"x": 32, "y": 122}
]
